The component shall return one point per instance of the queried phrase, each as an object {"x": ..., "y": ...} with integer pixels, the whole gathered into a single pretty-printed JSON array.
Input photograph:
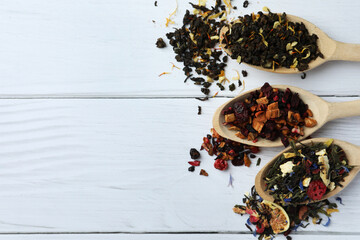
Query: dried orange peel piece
[{"x": 280, "y": 221}]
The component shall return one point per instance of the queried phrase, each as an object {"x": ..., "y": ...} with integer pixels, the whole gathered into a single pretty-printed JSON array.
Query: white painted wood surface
[{"x": 92, "y": 141}]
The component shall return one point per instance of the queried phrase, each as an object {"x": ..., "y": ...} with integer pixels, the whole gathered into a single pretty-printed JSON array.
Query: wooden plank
[
  {"x": 121, "y": 166},
  {"x": 107, "y": 48},
  {"x": 170, "y": 236}
]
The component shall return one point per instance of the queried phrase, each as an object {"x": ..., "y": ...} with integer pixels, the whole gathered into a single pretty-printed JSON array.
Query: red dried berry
[
  {"x": 254, "y": 219},
  {"x": 254, "y": 149},
  {"x": 221, "y": 164},
  {"x": 260, "y": 229},
  {"x": 194, "y": 163},
  {"x": 276, "y": 98},
  {"x": 316, "y": 190}
]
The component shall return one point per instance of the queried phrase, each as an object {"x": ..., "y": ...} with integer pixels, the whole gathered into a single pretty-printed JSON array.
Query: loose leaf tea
[
  {"x": 195, "y": 44},
  {"x": 307, "y": 172},
  {"x": 194, "y": 154},
  {"x": 269, "y": 219},
  {"x": 227, "y": 150},
  {"x": 246, "y": 4},
  {"x": 269, "y": 113},
  {"x": 160, "y": 43},
  {"x": 271, "y": 41}
]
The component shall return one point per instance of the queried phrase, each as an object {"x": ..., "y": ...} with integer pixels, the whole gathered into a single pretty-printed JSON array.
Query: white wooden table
[{"x": 94, "y": 145}]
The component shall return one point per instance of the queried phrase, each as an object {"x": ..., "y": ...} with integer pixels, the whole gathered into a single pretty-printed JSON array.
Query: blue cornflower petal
[
  {"x": 248, "y": 221},
  {"x": 287, "y": 199},
  {"x": 327, "y": 223},
  {"x": 254, "y": 232},
  {"x": 291, "y": 174},
  {"x": 231, "y": 179},
  {"x": 301, "y": 186},
  {"x": 314, "y": 166},
  {"x": 260, "y": 199},
  {"x": 339, "y": 199},
  {"x": 346, "y": 169},
  {"x": 290, "y": 189},
  {"x": 296, "y": 227}
]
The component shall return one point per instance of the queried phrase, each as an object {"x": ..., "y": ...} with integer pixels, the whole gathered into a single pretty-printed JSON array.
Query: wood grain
[
  {"x": 121, "y": 165},
  {"x": 107, "y": 48},
  {"x": 180, "y": 236}
]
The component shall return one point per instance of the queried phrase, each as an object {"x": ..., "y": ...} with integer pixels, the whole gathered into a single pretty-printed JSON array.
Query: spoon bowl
[
  {"x": 352, "y": 153},
  {"x": 331, "y": 49},
  {"x": 323, "y": 112}
]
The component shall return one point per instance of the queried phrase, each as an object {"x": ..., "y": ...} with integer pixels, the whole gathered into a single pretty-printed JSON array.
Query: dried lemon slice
[{"x": 279, "y": 221}]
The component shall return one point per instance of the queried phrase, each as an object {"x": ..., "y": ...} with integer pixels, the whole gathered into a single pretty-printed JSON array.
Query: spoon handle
[
  {"x": 346, "y": 52},
  {"x": 344, "y": 109}
]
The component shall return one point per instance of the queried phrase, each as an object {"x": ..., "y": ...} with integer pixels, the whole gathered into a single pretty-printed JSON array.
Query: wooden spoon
[
  {"x": 352, "y": 154},
  {"x": 331, "y": 49},
  {"x": 323, "y": 112}
]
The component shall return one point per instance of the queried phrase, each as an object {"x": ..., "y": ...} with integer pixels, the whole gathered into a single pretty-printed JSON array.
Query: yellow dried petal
[
  {"x": 307, "y": 55},
  {"x": 238, "y": 76},
  {"x": 240, "y": 39},
  {"x": 202, "y": 2},
  {"x": 192, "y": 37},
  {"x": 263, "y": 39},
  {"x": 329, "y": 142},
  {"x": 238, "y": 59},
  {"x": 266, "y": 9},
  {"x": 331, "y": 210},
  {"x": 168, "y": 20},
  {"x": 288, "y": 47},
  {"x": 295, "y": 63},
  {"x": 276, "y": 24},
  {"x": 209, "y": 79},
  {"x": 214, "y": 37},
  {"x": 216, "y": 15}
]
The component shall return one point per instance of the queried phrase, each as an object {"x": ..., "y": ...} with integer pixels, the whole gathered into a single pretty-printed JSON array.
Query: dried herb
[
  {"x": 199, "y": 110},
  {"x": 203, "y": 99},
  {"x": 258, "y": 162},
  {"x": 307, "y": 173},
  {"x": 271, "y": 41},
  {"x": 195, "y": 43},
  {"x": 204, "y": 173},
  {"x": 303, "y": 75},
  {"x": 227, "y": 150},
  {"x": 271, "y": 114},
  {"x": 194, "y": 154},
  {"x": 160, "y": 43},
  {"x": 222, "y": 88},
  {"x": 267, "y": 227},
  {"x": 232, "y": 87},
  {"x": 246, "y": 4}
]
